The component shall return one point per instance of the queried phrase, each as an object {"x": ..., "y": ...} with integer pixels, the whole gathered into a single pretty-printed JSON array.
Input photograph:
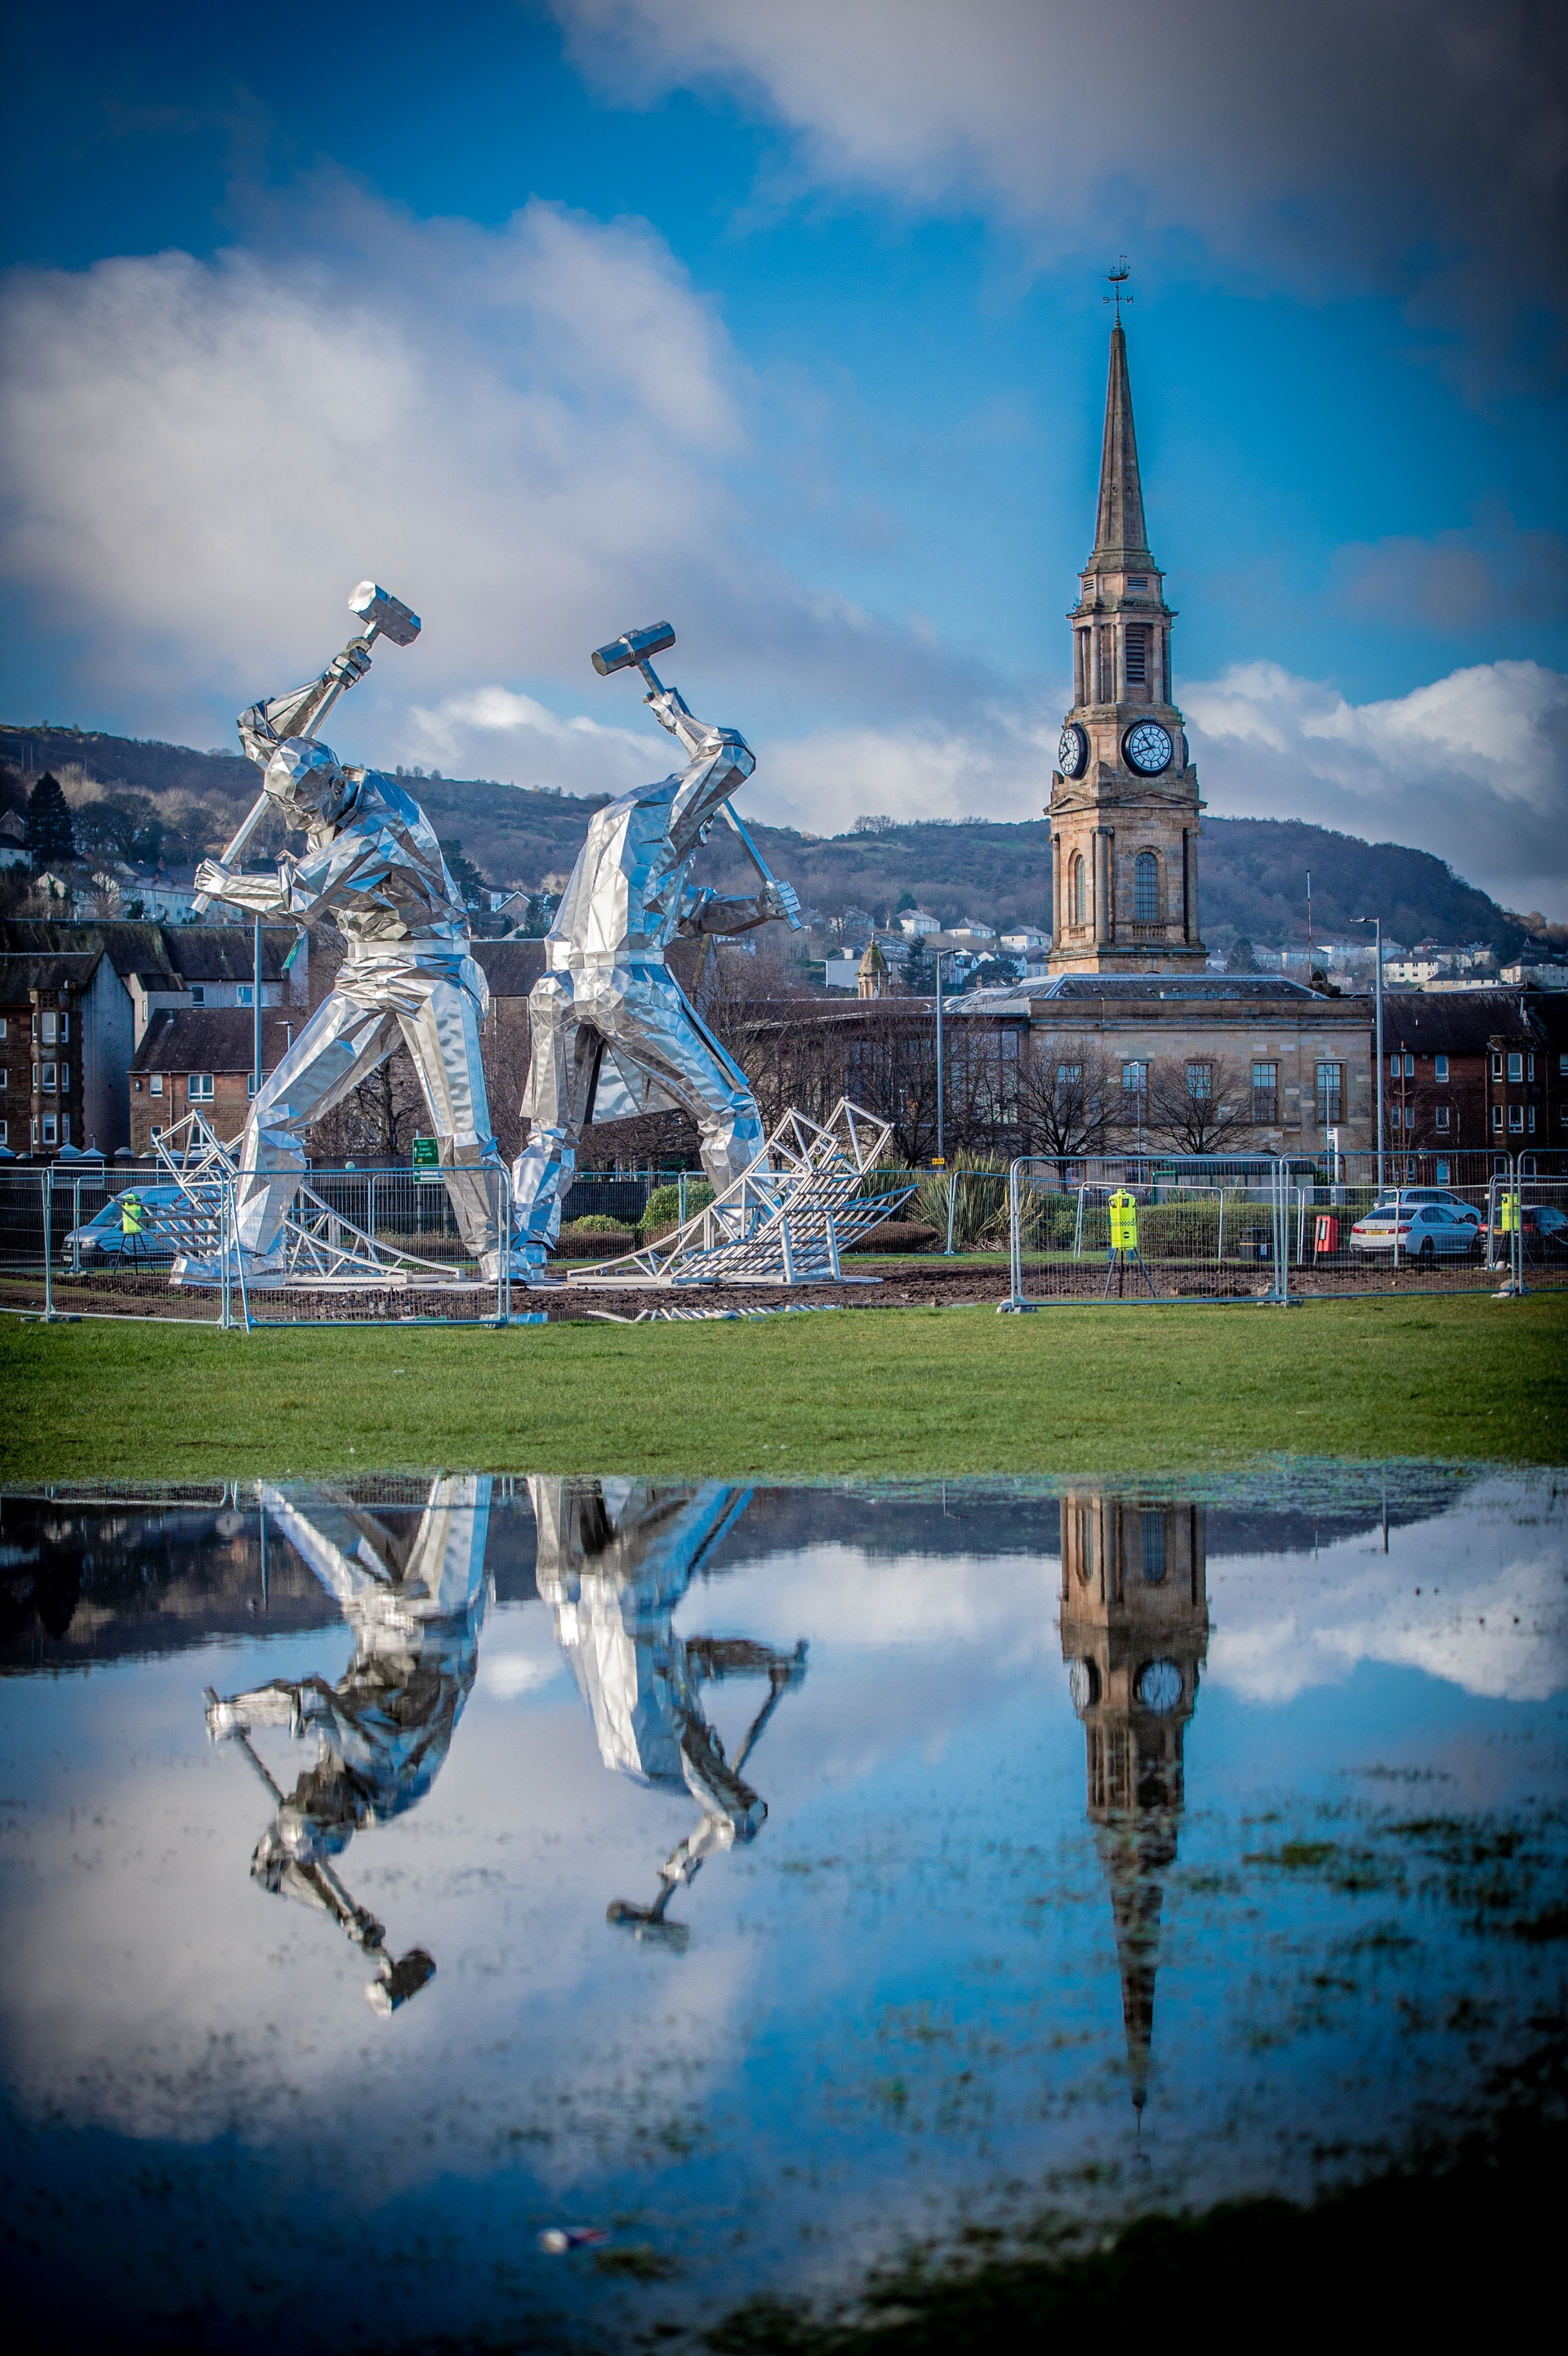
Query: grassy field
[{"x": 955, "y": 1390}]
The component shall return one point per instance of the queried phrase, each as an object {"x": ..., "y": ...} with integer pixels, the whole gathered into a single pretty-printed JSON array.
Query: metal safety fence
[
  {"x": 1212, "y": 1227},
  {"x": 357, "y": 1248}
]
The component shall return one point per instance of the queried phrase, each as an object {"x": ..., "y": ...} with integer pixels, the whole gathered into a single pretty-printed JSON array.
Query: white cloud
[
  {"x": 1473, "y": 767},
  {"x": 522, "y": 432},
  {"x": 1414, "y": 145}
]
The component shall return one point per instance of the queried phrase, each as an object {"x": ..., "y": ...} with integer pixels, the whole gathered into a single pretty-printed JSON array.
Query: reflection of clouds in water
[{"x": 1491, "y": 1616}]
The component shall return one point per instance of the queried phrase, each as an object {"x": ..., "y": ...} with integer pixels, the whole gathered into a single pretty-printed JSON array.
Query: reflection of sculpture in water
[
  {"x": 1135, "y": 1624},
  {"x": 615, "y": 1558},
  {"x": 414, "y": 1603}
]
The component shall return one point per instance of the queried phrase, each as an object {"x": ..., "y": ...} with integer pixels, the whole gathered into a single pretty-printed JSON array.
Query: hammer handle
[
  {"x": 752, "y": 853},
  {"x": 258, "y": 809}
]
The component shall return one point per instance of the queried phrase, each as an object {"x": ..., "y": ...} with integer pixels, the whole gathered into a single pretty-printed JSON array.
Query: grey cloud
[
  {"x": 1458, "y": 579},
  {"x": 1413, "y": 146}
]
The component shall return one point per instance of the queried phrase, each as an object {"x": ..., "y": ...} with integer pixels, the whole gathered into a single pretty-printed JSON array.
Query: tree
[
  {"x": 1244, "y": 956},
  {"x": 463, "y": 872},
  {"x": 919, "y": 972},
  {"x": 1201, "y": 1105},
  {"x": 1069, "y": 1097},
  {"x": 51, "y": 837}
]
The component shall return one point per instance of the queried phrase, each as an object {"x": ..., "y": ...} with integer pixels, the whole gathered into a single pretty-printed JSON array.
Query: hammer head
[
  {"x": 634, "y": 646},
  {"x": 386, "y": 614}
]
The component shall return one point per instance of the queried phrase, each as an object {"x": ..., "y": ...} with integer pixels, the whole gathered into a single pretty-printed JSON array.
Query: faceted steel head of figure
[{"x": 307, "y": 781}]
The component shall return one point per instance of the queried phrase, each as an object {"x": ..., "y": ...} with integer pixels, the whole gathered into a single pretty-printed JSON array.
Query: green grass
[{"x": 896, "y": 1391}]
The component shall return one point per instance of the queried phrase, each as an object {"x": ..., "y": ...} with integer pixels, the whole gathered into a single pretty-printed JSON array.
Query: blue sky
[{"x": 788, "y": 322}]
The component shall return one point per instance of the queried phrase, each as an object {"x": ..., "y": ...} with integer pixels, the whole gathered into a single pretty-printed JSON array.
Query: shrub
[
  {"x": 663, "y": 1211},
  {"x": 980, "y": 1203},
  {"x": 596, "y": 1223}
]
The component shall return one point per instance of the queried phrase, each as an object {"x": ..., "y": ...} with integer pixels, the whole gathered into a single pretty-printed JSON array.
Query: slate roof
[
  {"x": 1455, "y": 1023},
  {"x": 212, "y": 1039},
  {"x": 18, "y": 975},
  {"x": 194, "y": 952}
]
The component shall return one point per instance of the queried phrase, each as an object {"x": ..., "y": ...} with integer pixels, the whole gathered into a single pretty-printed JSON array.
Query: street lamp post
[
  {"x": 1377, "y": 922},
  {"x": 941, "y": 1131}
]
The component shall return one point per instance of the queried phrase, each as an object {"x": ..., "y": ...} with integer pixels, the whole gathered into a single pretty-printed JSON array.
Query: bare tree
[
  {"x": 1201, "y": 1104},
  {"x": 1069, "y": 1097}
]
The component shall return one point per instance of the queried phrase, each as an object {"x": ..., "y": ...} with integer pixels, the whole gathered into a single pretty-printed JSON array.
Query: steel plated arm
[{"x": 668, "y": 708}]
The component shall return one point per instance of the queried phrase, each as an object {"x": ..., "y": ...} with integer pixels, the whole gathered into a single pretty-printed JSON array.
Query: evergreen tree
[
  {"x": 1243, "y": 958},
  {"x": 919, "y": 972},
  {"x": 50, "y": 836}
]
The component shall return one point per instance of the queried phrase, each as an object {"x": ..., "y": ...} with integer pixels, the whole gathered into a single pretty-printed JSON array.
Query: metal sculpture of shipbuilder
[
  {"x": 415, "y": 1604},
  {"x": 615, "y": 1558},
  {"x": 610, "y": 1027},
  {"x": 373, "y": 864}
]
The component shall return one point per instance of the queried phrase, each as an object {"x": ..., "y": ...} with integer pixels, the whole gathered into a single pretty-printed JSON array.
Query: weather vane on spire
[{"x": 1117, "y": 280}]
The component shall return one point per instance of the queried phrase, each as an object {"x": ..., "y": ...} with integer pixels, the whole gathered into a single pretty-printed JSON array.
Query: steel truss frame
[{"x": 786, "y": 1220}]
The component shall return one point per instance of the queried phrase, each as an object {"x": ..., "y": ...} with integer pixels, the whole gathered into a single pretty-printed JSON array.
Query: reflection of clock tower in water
[
  {"x": 1135, "y": 1623},
  {"x": 1124, "y": 804}
]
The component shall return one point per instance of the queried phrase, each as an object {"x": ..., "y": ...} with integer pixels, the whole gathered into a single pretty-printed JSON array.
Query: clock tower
[{"x": 1124, "y": 807}]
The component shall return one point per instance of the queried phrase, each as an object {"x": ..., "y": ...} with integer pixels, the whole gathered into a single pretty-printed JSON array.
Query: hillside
[{"x": 1252, "y": 872}]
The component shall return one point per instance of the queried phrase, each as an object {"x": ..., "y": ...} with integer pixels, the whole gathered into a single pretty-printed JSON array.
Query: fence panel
[
  {"x": 1208, "y": 1227},
  {"x": 1416, "y": 1232},
  {"x": 359, "y": 1246}
]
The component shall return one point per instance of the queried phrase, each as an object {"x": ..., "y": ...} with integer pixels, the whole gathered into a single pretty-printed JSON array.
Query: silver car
[{"x": 1426, "y": 1231}]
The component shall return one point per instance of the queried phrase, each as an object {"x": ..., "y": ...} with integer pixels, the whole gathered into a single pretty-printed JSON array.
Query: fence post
[
  {"x": 46, "y": 1197},
  {"x": 953, "y": 1205},
  {"x": 1016, "y": 1236},
  {"x": 1518, "y": 1191},
  {"x": 76, "y": 1232}
]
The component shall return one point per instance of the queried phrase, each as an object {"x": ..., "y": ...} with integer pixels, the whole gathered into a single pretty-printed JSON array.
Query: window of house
[
  {"x": 156, "y": 1084},
  {"x": 1153, "y": 1547},
  {"x": 1516, "y": 1068},
  {"x": 5, "y": 1079},
  {"x": 65, "y": 1128},
  {"x": 65, "y": 1080},
  {"x": 1200, "y": 1082},
  {"x": 1330, "y": 1095},
  {"x": 1145, "y": 889},
  {"x": 1440, "y": 1069},
  {"x": 1440, "y": 1117},
  {"x": 48, "y": 1028},
  {"x": 1069, "y": 1075},
  {"x": 245, "y": 994},
  {"x": 1526, "y": 1165},
  {"x": 64, "y": 1029},
  {"x": 1530, "y": 1067},
  {"x": 1530, "y": 1120},
  {"x": 249, "y": 1084},
  {"x": 1497, "y": 1066},
  {"x": 199, "y": 993},
  {"x": 5, "y": 1134},
  {"x": 1496, "y": 1116},
  {"x": 1515, "y": 1116},
  {"x": 50, "y": 1079},
  {"x": 1442, "y": 1174},
  {"x": 1265, "y": 1094},
  {"x": 51, "y": 1129},
  {"x": 35, "y": 1079},
  {"x": 5, "y": 1034},
  {"x": 1076, "y": 891},
  {"x": 198, "y": 1086},
  {"x": 1137, "y": 644},
  {"x": 1561, "y": 1060},
  {"x": 157, "y": 1128},
  {"x": 1134, "y": 1089}
]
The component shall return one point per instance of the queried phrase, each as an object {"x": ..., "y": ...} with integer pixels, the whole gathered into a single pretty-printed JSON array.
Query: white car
[
  {"x": 1405, "y": 1198},
  {"x": 1427, "y": 1231}
]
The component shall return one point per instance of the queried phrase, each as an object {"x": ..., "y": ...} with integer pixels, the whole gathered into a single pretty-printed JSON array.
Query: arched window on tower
[
  {"x": 1145, "y": 889},
  {"x": 1076, "y": 898}
]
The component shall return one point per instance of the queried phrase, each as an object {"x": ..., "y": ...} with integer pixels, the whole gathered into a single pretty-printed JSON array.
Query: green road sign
[{"x": 426, "y": 1162}]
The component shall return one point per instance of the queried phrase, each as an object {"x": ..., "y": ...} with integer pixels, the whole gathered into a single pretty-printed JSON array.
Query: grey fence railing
[
  {"x": 1213, "y": 1228},
  {"x": 361, "y": 1246}
]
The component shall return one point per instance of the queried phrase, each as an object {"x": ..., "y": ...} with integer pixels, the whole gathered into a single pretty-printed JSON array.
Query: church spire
[{"x": 1121, "y": 536}]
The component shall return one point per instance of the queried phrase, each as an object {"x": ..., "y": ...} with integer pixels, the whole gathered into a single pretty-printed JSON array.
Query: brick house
[
  {"x": 198, "y": 1059},
  {"x": 105, "y": 982},
  {"x": 1477, "y": 1071}
]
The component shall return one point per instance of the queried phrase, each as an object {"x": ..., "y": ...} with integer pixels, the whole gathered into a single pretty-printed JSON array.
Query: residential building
[
  {"x": 106, "y": 982},
  {"x": 194, "y": 1059},
  {"x": 1475, "y": 1072},
  {"x": 914, "y": 922}
]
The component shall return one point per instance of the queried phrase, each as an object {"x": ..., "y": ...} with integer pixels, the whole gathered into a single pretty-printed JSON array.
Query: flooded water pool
[{"x": 743, "y": 1884}]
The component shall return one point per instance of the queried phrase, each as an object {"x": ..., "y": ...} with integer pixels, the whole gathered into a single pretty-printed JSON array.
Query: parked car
[
  {"x": 104, "y": 1236},
  {"x": 1405, "y": 1197},
  {"x": 1427, "y": 1231},
  {"x": 1544, "y": 1229}
]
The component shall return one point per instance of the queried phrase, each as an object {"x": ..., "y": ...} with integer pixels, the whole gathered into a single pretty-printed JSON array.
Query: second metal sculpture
[{"x": 611, "y": 1029}]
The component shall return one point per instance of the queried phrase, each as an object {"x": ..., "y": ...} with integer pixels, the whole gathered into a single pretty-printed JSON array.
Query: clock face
[
  {"x": 1072, "y": 751},
  {"x": 1083, "y": 1680},
  {"x": 1148, "y": 748},
  {"x": 1159, "y": 1686}
]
